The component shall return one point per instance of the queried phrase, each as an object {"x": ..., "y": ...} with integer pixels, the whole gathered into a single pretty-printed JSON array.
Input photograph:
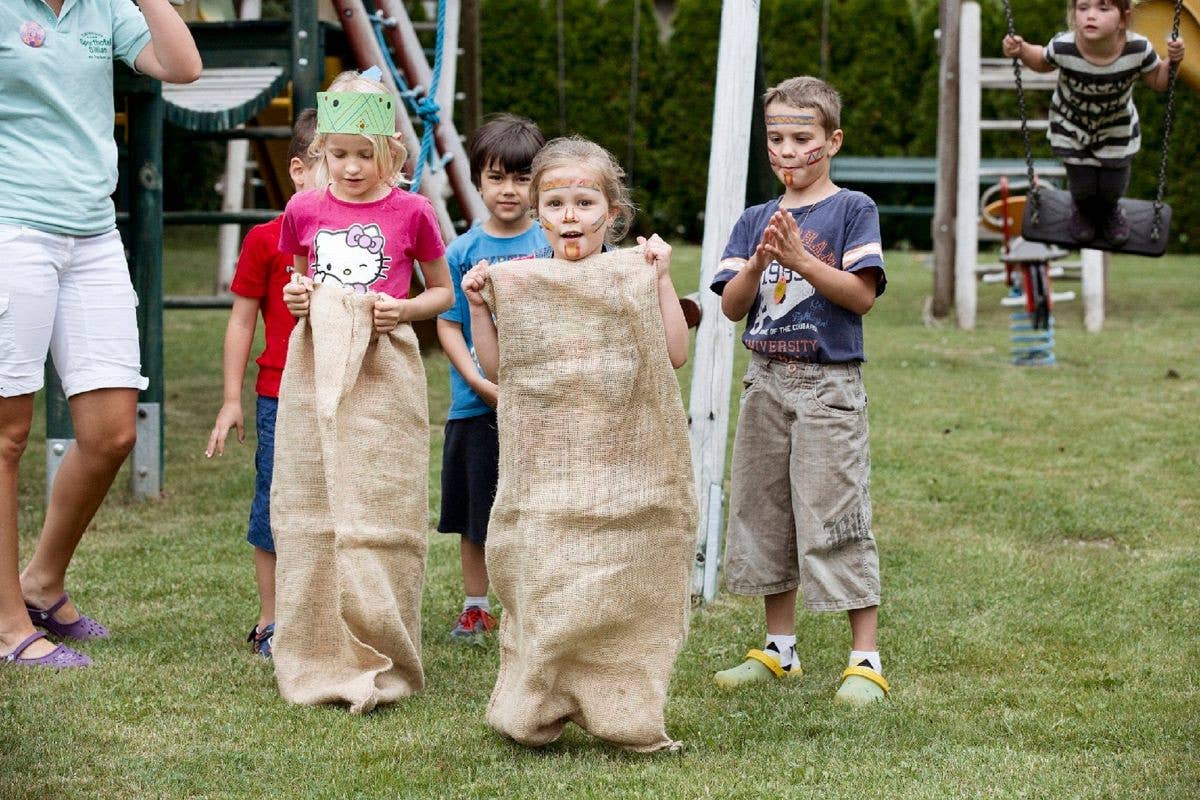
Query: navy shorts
[
  {"x": 259, "y": 533},
  {"x": 470, "y": 466}
]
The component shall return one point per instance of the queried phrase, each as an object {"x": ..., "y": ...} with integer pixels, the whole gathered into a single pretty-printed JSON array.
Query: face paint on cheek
[
  {"x": 546, "y": 224},
  {"x": 815, "y": 155},
  {"x": 599, "y": 223}
]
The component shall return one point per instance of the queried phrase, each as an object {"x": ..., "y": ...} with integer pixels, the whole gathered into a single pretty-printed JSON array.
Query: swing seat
[{"x": 1054, "y": 214}]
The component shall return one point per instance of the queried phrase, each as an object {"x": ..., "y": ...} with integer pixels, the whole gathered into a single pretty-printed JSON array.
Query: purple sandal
[
  {"x": 81, "y": 629},
  {"x": 61, "y": 657}
]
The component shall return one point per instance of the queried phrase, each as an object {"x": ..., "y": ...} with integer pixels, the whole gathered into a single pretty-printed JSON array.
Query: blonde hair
[
  {"x": 806, "y": 91},
  {"x": 575, "y": 151},
  {"x": 390, "y": 152}
]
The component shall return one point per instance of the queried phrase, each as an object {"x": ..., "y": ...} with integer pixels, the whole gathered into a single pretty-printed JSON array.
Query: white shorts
[{"x": 71, "y": 296}]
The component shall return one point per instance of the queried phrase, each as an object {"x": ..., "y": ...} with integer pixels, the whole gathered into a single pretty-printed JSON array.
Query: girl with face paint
[{"x": 583, "y": 205}]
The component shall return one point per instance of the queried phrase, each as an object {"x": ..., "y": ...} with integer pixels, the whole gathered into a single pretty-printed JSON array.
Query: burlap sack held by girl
[
  {"x": 349, "y": 508},
  {"x": 590, "y": 539}
]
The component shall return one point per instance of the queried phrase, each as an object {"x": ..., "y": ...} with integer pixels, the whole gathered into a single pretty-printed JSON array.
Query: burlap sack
[
  {"x": 349, "y": 508},
  {"x": 590, "y": 539}
]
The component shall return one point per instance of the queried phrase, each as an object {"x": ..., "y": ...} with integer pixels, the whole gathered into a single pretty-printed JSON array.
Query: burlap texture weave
[
  {"x": 349, "y": 508},
  {"x": 590, "y": 539}
]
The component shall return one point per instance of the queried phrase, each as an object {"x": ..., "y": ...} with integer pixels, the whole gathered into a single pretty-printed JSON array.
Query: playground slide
[{"x": 1153, "y": 19}]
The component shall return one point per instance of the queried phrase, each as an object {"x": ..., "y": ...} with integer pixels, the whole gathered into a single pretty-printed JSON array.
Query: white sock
[
  {"x": 478, "y": 602},
  {"x": 870, "y": 656},
  {"x": 782, "y": 647}
]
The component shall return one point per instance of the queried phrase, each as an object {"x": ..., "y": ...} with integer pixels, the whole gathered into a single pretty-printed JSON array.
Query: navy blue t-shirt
[{"x": 843, "y": 231}]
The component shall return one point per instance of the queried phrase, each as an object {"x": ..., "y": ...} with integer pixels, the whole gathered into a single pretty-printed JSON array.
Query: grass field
[{"x": 1041, "y": 572}]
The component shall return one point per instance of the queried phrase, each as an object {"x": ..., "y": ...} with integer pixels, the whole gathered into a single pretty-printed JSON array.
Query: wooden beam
[
  {"x": 712, "y": 372},
  {"x": 946, "y": 194}
]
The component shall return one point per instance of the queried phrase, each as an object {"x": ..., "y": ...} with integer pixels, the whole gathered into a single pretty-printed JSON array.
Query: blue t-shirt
[
  {"x": 58, "y": 158},
  {"x": 463, "y": 253},
  {"x": 843, "y": 231}
]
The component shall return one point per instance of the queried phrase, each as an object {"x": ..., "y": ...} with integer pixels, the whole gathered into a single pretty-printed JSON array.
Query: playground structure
[
  {"x": 964, "y": 75},
  {"x": 253, "y": 69}
]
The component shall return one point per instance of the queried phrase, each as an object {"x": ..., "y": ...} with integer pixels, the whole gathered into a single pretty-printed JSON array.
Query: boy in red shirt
[{"x": 262, "y": 271}]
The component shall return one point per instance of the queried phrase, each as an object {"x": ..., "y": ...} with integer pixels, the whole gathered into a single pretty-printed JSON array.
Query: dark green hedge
[{"x": 882, "y": 57}]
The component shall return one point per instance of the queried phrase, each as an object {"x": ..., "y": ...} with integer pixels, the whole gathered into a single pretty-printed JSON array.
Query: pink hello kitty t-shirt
[{"x": 364, "y": 247}]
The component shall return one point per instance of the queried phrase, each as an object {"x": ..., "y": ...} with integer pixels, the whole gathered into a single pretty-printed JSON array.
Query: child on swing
[{"x": 1094, "y": 126}]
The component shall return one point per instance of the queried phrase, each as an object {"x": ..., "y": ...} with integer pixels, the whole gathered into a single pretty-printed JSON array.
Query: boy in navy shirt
[{"x": 805, "y": 267}]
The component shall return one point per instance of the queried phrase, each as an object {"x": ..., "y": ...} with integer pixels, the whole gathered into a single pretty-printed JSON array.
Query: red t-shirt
[
  {"x": 262, "y": 272},
  {"x": 366, "y": 247}
]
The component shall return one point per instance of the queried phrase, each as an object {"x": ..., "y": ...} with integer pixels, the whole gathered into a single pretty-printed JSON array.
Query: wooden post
[
  {"x": 1092, "y": 288},
  {"x": 448, "y": 84},
  {"x": 712, "y": 373},
  {"x": 472, "y": 70},
  {"x": 966, "y": 249},
  {"x": 233, "y": 191},
  {"x": 947, "y": 156}
]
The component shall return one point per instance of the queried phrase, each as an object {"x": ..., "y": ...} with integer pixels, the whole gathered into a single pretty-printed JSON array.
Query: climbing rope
[{"x": 426, "y": 107}]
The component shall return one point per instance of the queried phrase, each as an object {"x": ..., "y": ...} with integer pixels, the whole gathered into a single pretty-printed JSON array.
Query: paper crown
[{"x": 355, "y": 112}]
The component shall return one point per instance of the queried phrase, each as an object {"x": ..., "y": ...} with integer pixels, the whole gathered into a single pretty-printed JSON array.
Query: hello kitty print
[
  {"x": 352, "y": 258},
  {"x": 361, "y": 247}
]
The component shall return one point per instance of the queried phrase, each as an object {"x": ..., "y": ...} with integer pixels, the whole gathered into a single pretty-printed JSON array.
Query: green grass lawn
[{"x": 1036, "y": 528}]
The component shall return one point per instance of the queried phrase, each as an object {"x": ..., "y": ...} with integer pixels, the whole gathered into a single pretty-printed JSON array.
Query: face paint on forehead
[
  {"x": 567, "y": 183},
  {"x": 791, "y": 119}
]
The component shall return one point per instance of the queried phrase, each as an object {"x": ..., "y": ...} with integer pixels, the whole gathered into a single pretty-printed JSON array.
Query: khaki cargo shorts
[{"x": 800, "y": 503}]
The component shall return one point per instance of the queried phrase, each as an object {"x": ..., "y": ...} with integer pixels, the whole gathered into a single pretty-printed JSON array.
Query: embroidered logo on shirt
[{"x": 98, "y": 46}]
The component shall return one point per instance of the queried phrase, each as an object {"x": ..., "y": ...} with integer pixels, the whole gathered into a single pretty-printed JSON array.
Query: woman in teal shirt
[{"x": 64, "y": 282}]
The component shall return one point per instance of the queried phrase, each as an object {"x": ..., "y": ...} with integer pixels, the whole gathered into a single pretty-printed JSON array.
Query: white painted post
[
  {"x": 237, "y": 153},
  {"x": 448, "y": 83},
  {"x": 1092, "y": 279},
  {"x": 712, "y": 373},
  {"x": 966, "y": 248}
]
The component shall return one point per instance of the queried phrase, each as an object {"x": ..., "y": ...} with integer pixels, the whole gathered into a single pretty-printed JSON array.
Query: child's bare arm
[
  {"x": 483, "y": 327},
  {"x": 740, "y": 291},
  {"x": 658, "y": 254},
  {"x": 171, "y": 54},
  {"x": 239, "y": 335},
  {"x": 854, "y": 291},
  {"x": 437, "y": 297},
  {"x": 1031, "y": 55},
  {"x": 1160, "y": 77},
  {"x": 454, "y": 345}
]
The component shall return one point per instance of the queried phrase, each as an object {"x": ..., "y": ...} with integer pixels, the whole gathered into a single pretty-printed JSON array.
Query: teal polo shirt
[{"x": 58, "y": 158}]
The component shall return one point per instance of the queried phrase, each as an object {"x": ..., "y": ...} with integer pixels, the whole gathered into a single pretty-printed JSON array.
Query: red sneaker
[{"x": 473, "y": 626}]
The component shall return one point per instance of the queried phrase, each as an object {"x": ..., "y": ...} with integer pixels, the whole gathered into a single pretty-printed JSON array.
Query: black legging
[{"x": 1097, "y": 189}]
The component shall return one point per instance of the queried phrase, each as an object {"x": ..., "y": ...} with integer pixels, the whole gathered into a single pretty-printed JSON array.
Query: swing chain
[
  {"x": 1023, "y": 110},
  {"x": 1168, "y": 123}
]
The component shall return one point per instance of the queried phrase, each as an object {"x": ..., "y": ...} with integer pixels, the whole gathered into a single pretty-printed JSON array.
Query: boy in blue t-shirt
[
  {"x": 501, "y": 153},
  {"x": 805, "y": 267}
]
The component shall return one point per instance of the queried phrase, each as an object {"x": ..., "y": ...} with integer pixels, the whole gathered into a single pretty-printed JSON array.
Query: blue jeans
[{"x": 259, "y": 533}]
